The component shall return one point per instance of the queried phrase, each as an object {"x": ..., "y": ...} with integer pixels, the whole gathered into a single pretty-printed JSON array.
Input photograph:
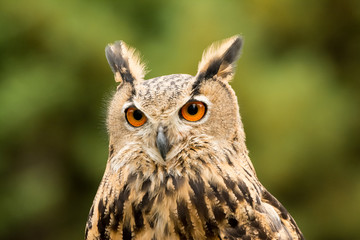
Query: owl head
[{"x": 164, "y": 119}]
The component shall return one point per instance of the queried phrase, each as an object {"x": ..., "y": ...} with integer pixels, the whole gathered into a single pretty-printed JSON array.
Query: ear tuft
[
  {"x": 124, "y": 62},
  {"x": 219, "y": 60}
]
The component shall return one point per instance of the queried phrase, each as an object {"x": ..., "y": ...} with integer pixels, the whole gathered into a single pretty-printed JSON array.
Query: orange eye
[
  {"x": 193, "y": 111},
  {"x": 135, "y": 117}
]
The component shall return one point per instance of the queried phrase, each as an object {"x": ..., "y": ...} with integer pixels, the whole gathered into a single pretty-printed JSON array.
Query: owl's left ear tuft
[
  {"x": 219, "y": 60},
  {"x": 124, "y": 62}
]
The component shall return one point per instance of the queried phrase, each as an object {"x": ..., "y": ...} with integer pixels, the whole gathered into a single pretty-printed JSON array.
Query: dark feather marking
[
  {"x": 213, "y": 68},
  {"x": 145, "y": 185},
  {"x": 228, "y": 159},
  {"x": 198, "y": 200},
  {"x": 202, "y": 160},
  {"x": 200, "y": 79},
  {"x": 147, "y": 203},
  {"x": 235, "y": 138},
  {"x": 152, "y": 219},
  {"x": 116, "y": 222},
  {"x": 217, "y": 167},
  {"x": 138, "y": 217},
  {"x": 179, "y": 233},
  {"x": 223, "y": 197},
  {"x": 235, "y": 148},
  {"x": 216, "y": 192},
  {"x": 232, "y": 205},
  {"x": 227, "y": 89},
  {"x": 131, "y": 178},
  {"x": 184, "y": 216},
  {"x": 247, "y": 172},
  {"x": 231, "y": 186},
  {"x": 119, "y": 206},
  {"x": 251, "y": 180},
  {"x": 166, "y": 229},
  {"x": 196, "y": 85},
  {"x": 111, "y": 151},
  {"x": 233, "y": 51},
  {"x": 151, "y": 222},
  {"x": 258, "y": 201},
  {"x": 233, "y": 222},
  {"x": 104, "y": 220},
  {"x": 230, "y": 56},
  {"x": 167, "y": 177},
  {"x": 118, "y": 63},
  {"x": 212, "y": 229},
  {"x": 126, "y": 232},
  {"x": 86, "y": 233},
  {"x": 261, "y": 232},
  {"x": 155, "y": 170},
  {"x": 218, "y": 213},
  {"x": 183, "y": 168},
  {"x": 210, "y": 195},
  {"x": 113, "y": 225},
  {"x": 91, "y": 213},
  {"x": 245, "y": 191},
  {"x": 274, "y": 202},
  {"x": 133, "y": 90}
]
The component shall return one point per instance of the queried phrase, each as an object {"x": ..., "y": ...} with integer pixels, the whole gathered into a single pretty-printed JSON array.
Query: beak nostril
[{"x": 162, "y": 143}]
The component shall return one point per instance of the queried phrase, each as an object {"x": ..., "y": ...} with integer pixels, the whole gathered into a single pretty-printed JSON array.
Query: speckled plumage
[{"x": 205, "y": 187}]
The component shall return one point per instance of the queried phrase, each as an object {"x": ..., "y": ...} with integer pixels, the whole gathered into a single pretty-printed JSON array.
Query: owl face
[{"x": 167, "y": 116}]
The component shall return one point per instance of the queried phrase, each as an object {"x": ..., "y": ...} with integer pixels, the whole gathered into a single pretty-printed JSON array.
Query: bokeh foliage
[{"x": 297, "y": 84}]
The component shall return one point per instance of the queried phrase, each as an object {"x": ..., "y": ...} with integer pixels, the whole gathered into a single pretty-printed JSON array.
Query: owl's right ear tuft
[
  {"x": 124, "y": 62},
  {"x": 219, "y": 60}
]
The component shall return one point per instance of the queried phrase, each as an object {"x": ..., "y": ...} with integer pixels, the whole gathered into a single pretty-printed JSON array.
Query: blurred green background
[{"x": 297, "y": 84}]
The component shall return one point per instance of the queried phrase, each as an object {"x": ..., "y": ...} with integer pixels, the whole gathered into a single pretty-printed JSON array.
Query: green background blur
[{"x": 297, "y": 83}]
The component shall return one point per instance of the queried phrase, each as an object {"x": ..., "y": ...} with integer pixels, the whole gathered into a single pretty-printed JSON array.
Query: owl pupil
[
  {"x": 192, "y": 109},
  {"x": 137, "y": 115}
]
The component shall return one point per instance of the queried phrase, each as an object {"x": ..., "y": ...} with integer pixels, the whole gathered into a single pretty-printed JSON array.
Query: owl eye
[
  {"x": 135, "y": 117},
  {"x": 193, "y": 111}
]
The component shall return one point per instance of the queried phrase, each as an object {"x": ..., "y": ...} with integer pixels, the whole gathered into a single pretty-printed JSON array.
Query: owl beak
[{"x": 162, "y": 143}]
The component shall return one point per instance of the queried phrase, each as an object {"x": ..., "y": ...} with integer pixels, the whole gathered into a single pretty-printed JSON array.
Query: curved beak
[{"x": 162, "y": 143}]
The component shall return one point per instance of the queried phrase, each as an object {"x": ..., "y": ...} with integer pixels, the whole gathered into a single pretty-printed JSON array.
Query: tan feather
[
  {"x": 123, "y": 59},
  {"x": 218, "y": 52}
]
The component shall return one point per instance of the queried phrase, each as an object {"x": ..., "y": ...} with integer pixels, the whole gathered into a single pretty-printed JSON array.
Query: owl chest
[{"x": 168, "y": 209}]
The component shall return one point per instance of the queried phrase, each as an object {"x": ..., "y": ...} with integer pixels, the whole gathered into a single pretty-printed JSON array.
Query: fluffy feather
[
  {"x": 125, "y": 62},
  {"x": 220, "y": 59}
]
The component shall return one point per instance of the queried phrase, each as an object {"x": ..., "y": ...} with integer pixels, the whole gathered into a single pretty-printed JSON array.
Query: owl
[{"x": 178, "y": 166}]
